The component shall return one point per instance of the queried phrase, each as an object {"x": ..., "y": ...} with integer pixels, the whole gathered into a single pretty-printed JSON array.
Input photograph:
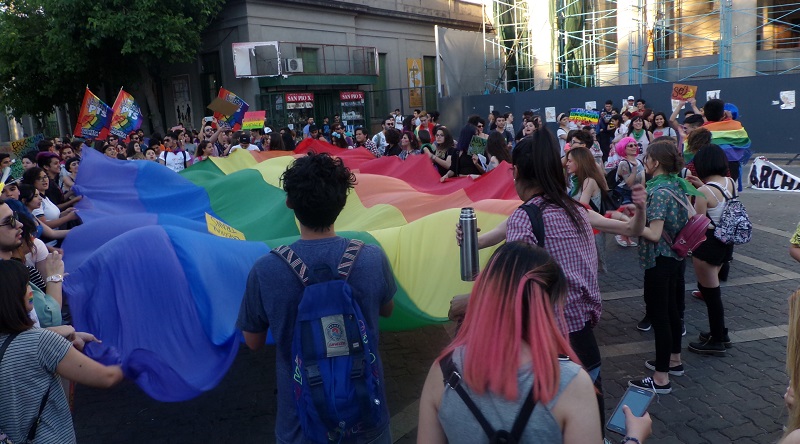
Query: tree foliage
[{"x": 51, "y": 49}]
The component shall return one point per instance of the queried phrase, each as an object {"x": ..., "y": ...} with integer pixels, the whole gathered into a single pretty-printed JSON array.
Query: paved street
[{"x": 737, "y": 398}]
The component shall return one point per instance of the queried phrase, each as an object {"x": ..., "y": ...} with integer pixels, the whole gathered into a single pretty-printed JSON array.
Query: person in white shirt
[
  {"x": 173, "y": 157},
  {"x": 379, "y": 139},
  {"x": 244, "y": 144},
  {"x": 398, "y": 118}
]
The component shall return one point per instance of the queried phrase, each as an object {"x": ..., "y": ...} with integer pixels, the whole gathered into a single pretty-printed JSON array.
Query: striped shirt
[
  {"x": 27, "y": 371},
  {"x": 576, "y": 253}
]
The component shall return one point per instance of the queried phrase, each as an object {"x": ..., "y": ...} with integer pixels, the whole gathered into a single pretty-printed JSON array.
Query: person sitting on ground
[
  {"x": 443, "y": 150},
  {"x": 316, "y": 188},
  {"x": 496, "y": 151},
  {"x": 509, "y": 351},
  {"x": 409, "y": 145},
  {"x": 464, "y": 163},
  {"x": 35, "y": 360}
]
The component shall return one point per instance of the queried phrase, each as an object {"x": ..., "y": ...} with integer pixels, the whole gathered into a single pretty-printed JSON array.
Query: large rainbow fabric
[
  {"x": 94, "y": 118},
  {"x": 127, "y": 116},
  {"x": 731, "y": 136},
  {"x": 149, "y": 280}
]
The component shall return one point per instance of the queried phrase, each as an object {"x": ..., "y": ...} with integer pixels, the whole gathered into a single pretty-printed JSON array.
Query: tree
[{"x": 51, "y": 49}]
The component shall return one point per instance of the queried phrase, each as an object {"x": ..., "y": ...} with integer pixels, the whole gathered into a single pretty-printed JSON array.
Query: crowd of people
[{"x": 526, "y": 334}]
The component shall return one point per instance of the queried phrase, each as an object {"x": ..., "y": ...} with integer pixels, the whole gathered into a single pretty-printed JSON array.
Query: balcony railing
[{"x": 272, "y": 59}]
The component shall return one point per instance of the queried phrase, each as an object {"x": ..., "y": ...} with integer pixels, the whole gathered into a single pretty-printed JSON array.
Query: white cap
[
  {"x": 267, "y": 130},
  {"x": 631, "y": 98}
]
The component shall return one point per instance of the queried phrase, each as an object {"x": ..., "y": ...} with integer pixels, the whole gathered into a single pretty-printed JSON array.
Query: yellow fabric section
[
  {"x": 426, "y": 258},
  {"x": 240, "y": 159},
  {"x": 356, "y": 217},
  {"x": 272, "y": 169}
]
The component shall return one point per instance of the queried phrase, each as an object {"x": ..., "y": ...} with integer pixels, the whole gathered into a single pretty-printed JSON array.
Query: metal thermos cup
[{"x": 469, "y": 245}]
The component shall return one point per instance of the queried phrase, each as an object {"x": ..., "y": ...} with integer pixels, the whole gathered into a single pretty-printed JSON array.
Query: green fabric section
[{"x": 247, "y": 203}]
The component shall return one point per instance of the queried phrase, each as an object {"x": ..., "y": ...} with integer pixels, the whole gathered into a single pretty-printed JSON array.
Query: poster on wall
[
  {"x": 591, "y": 105},
  {"x": 182, "y": 98},
  {"x": 550, "y": 114},
  {"x": 711, "y": 95},
  {"x": 414, "y": 82},
  {"x": 765, "y": 175},
  {"x": 787, "y": 99}
]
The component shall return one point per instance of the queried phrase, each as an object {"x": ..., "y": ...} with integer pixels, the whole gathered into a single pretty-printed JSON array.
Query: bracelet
[{"x": 629, "y": 439}]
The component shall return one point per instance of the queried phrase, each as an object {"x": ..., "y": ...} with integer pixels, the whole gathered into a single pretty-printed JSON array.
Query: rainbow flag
[
  {"x": 731, "y": 136},
  {"x": 127, "y": 116},
  {"x": 235, "y": 120},
  {"x": 93, "y": 119},
  {"x": 170, "y": 312}
]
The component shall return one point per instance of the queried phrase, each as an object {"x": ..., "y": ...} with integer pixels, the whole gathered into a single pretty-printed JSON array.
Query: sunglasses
[{"x": 11, "y": 221}]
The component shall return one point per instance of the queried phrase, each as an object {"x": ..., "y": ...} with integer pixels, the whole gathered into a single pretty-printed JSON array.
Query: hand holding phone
[{"x": 636, "y": 400}]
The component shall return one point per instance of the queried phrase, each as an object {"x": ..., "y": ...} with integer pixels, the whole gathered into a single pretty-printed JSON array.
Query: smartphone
[{"x": 638, "y": 400}]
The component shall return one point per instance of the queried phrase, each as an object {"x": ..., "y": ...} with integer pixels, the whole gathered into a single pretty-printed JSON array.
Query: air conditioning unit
[{"x": 294, "y": 65}]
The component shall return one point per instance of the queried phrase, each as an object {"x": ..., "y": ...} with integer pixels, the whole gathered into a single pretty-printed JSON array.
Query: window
[
  {"x": 210, "y": 76},
  {"x": 309, "y": 56}
]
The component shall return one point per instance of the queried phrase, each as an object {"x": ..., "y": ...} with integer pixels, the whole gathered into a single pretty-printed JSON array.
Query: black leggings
[
  {"x": 661, "y": 302},
  {"x": 585, "y": 346}
]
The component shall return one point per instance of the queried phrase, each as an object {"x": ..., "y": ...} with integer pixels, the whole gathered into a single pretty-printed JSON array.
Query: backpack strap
[
  {"x": 349, "y": 258},
  {"x": 537, "y": 222},
  {"x": 453, "y": 380},
  {"x": 295, "y": 263},
  {"x": 723, "y": 190}
]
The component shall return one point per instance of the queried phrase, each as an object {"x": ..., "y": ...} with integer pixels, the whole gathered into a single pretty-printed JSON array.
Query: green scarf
[
  {"x": 638, "y": 133},
  {"x": 684, "y": 184},
  {"x": 575, "y": 186}
]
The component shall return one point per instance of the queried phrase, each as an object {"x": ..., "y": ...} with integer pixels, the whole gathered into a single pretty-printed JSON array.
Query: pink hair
[
  {"x": 622, "y": 144},
  {"x": 495, "y": 329}
]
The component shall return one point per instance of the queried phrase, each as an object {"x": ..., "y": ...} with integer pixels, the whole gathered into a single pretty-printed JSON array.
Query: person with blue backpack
[{"x": 321, "y": 298}]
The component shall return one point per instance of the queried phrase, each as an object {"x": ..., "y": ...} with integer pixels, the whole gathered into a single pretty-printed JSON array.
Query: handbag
[
  {"x": 32, "y": 432},
  {"x": 692, "y": 234}
]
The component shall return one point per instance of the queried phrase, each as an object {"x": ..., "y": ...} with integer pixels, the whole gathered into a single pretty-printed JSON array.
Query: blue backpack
[{"x": 337, "y": 385}]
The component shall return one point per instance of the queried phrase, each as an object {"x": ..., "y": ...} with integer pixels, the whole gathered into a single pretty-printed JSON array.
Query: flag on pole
[
  {"x": 94, "y": 118},
  {"x": 234, "y": 120},
  {"x": 127, "y": 116}
]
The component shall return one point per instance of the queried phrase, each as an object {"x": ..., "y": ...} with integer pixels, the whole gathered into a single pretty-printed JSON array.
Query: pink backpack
[{"x": 692, "y": 234}]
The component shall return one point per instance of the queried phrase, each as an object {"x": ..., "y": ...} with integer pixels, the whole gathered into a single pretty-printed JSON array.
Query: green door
[{"x": 429, "y": 77}]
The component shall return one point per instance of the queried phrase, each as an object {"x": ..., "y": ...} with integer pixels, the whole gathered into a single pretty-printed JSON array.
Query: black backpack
[{"x": 453, "y": 380}]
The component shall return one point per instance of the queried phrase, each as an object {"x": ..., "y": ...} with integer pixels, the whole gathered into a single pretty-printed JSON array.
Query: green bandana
[
  {"x": 638, "y": 133},
  {"x": 684, "y": 184},
  {"x": 575, "y": 186}
]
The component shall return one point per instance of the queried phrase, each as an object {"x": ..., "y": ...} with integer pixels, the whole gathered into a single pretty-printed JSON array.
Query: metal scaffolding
[{"x": 614, "y": 42}]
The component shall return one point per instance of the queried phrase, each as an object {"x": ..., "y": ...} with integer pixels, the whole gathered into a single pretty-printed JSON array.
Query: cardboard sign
[
  {"x": 254, "y": 120},
  {"x": 477, "y": 145},
  {"x": 221, "y": 229},
  {"x": 222, "y": 106},
  {"x": 683, "y": 92}
]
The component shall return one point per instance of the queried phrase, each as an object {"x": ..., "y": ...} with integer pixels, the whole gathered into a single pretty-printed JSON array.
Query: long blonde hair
[{"x": 793, "y": 361}]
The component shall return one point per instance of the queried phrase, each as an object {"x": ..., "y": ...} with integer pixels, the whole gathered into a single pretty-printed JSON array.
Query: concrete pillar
[
  {"x": 743, "y": 39},
  {"x": 628, "y": 41},
  {"x": 541, "y": 27},
  {"x": 61, "y": 119},
  {"x": 4, "y": 134}
]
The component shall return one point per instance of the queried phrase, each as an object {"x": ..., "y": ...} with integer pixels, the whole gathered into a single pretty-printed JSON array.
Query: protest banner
[
  {"x": 583, "y": 116},
  {"x": 254, "y": 120},
  {"x": 20, "y": 148},
  {"x": 683, "y": 92},
  {"x": 765, "y": 175},
  {"x": 233, "y": 120},
  {"x": 127, "y": 116},
  {"x": 94, "y": 118}
]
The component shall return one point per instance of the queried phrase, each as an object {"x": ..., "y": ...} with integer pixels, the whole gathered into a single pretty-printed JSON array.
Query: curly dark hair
[{"x": 316, "y": 188}]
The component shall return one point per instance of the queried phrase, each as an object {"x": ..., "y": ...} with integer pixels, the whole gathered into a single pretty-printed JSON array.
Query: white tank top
[{"x": 715, "y": 214}]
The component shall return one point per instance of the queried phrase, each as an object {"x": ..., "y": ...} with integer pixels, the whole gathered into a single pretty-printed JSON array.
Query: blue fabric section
[
  {"x": 217, "y": 290},
  {"x": 155, "y": 315},
  {"x": 106, "y": 199}
]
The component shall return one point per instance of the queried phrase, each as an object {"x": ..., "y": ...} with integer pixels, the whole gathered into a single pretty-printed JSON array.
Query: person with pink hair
[
  {"x": 510, "y": 353},
  {"x": 629, "y": 173}
]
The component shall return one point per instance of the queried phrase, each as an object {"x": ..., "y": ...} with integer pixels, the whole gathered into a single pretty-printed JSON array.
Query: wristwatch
[{"x": 55, "y": 278}]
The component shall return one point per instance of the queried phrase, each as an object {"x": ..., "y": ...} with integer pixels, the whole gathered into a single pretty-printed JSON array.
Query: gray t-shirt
[
  {"x": 273, "y": 293},
  {"x": 460, "y": 424},
  {"x": 27, "y": 371}
]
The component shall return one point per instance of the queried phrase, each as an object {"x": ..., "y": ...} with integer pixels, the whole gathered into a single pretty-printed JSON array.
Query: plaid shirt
[{"x": 574, "y": 250}]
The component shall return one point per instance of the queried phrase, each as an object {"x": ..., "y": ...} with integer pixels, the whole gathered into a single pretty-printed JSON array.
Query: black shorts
[{"x": 713, "y": 251}]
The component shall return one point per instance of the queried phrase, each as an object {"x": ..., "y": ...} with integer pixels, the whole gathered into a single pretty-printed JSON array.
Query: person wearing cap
[
  {"x": 244, "y": 144},
  {"x": 10, "y": 189},
  {"x": 173, "y": 157},
  {"x": 632, "y": 105}
]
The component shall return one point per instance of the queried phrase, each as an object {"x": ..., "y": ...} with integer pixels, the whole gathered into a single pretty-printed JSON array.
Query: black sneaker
[
  {"x": 676, "y": 370},
  {"x": 649, "y": 384},
  {"x": 709, "y": 347},
  {"x": 644, "y": 324},
  {"x": 726, "y": 340}
]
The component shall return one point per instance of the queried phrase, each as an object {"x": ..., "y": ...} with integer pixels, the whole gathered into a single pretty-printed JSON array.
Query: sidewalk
[{"x": 737, "y": 398}]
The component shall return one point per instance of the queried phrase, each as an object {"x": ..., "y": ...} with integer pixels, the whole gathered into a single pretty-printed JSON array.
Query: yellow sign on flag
[{"x": 221, "y": 229}]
